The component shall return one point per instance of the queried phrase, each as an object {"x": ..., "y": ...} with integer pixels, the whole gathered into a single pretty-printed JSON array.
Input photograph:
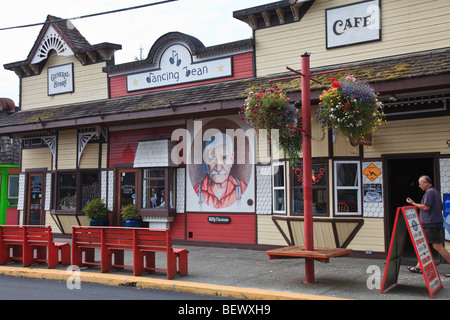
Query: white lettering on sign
[
  {"x": 354, "y": 23},
  {"x": 60, "y": 79},
  {"x": 423, "y": 251},
  {"x": 177, "y": 67}
]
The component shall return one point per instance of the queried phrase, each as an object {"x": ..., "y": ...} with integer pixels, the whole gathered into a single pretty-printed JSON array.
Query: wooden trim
[{"x": 290, "y": 239}]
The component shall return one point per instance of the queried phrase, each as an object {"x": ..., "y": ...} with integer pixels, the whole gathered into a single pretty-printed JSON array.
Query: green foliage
[
  {"x": 96, "y": 209},
  {"x": 351, "y": 107},
  {"x": 271, "y": 109},
  {"x": 130, "y": 212}
]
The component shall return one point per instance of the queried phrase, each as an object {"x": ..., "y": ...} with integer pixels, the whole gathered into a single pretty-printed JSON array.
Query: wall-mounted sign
[
  {"x": 219, "y": 220},
  {"x": 354, "y": 23},
  {"x": 372, "y": 172},
  {"x": 373, "y": 192},
  {"x": 177, "y": 67},
  {"x": 60, "y": 79}
]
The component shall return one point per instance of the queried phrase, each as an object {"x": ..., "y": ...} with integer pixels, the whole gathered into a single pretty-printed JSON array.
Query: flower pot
[
  {"x": 99, "y": 223},
  {"x": 133, "y": 223},
  {"x": 365, "y": 141}
]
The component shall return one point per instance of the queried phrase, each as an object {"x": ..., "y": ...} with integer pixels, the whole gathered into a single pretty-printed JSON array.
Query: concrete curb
[{"x": 160, "y": 284}]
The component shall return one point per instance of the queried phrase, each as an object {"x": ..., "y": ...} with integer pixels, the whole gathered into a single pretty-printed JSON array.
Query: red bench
[
  {"x": 32, "y": 244},
  {"x": 112, "y": 241}
]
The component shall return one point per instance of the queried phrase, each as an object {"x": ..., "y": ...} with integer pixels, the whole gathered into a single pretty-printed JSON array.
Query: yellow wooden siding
[
  {"x": 89, "y": 158},
  {"x": 322, "y": 234},
  {"x": 370, "y": 237},
  {"x": 407, "y": 26},
  {"x": 268, "y": 233},
  {"x": 90, "y": 83},
  {"x": 49, "y": 221},
  {"x": 104, "y": 156},
  {"x": 36, "y": 158},
  {"x": 343, "y": 148},
  {"x": 411, "y": 136},
  {"x": 67, "y": 221},
  {"x": 67, "y": 149}
]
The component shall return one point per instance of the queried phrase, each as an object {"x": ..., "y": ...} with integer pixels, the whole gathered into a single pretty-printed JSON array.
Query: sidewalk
[{"x": 249, "y": 274}]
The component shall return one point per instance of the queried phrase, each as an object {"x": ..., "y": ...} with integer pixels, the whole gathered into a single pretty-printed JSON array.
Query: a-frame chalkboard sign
[{"x": 407, "y": 221}]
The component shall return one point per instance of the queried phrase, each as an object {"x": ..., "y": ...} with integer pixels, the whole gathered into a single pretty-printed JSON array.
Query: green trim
[{"x": 4, "y": 204}]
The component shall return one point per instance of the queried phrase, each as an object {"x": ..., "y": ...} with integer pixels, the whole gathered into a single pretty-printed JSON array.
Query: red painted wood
[
  {"x": 123, "y": 144},
  {"x": 242, "y": 228},
  {"x": 177, "y": 227},
  {"x": 12, "y": 216},
  {"x": 242, "y": 68}
]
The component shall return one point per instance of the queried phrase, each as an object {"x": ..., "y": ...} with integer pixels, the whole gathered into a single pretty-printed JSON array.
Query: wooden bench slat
[
  {"x": 26, "y": 240},
  {"x": 320, "y": 254},
  {"x": 112, "y": 241}
]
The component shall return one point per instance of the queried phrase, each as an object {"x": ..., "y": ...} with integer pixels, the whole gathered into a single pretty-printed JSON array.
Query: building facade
[
  {"x": 147, "y": 132},
  {"x": 9, "y": 169}
]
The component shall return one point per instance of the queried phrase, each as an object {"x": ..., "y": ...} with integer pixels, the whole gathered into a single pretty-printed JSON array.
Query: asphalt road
[{"x": 13, "y": 288}]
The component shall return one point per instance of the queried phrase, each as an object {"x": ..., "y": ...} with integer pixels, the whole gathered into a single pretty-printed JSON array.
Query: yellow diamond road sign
[{"x": 372, "y": 172}]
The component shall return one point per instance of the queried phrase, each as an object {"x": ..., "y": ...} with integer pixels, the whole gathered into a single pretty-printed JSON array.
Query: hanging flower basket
[
  {"x": 271, "y": 109},
  {"x": 352, "y": 108},
  {"x": 365, "y": 140}
]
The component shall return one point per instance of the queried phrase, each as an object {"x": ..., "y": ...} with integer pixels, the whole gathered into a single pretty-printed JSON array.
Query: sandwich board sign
[{"x": 407, "y": 221}]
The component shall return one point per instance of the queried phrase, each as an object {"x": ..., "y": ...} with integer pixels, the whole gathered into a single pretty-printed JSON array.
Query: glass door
[
  {"x": 127, "y": 188},
  {"x": 35, "y": 200}
]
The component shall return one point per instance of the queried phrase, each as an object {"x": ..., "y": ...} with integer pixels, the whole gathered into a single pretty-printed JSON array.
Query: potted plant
[
  {"x": 351, "y": 107},
  {"x": 130, "y": 214},
  {"x": 271, "y": 109},
  {"x": 97, "y": 212}
]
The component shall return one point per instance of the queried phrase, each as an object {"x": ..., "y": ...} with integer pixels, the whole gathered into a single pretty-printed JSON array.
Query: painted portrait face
[{"x": 219, "y": 160}]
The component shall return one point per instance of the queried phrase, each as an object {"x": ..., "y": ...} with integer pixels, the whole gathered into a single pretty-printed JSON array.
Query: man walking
[{"x": 430, "y": 214}]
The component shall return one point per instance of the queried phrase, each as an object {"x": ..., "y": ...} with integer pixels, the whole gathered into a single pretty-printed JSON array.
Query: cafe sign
[
  {"x": 354, "y": 23},
  {"x": 177, "y": 66},
  {"x": 60, "y": 79}
]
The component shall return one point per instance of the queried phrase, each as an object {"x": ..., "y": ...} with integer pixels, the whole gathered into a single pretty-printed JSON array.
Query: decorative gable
[
  {"x": 51, "y": 41},
  {"x": 61, "y": 36}
]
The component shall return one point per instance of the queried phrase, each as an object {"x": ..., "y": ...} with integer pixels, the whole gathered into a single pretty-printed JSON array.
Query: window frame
[
  {"x": 9, "y": 197},
  {"x": 325, "y": 187},
  {"x": 357, "y": 188},
  {"x": 78, "y": 188},
  {"x": 169, "y": 173},
  {"x": 283, "y": 188}
]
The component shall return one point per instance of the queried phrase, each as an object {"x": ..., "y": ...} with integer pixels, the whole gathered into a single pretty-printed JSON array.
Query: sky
[{"x": 210, "y": 21}]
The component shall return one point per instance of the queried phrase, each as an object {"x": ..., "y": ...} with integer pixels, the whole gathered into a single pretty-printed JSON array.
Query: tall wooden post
[{"x": 307, "y": 167}]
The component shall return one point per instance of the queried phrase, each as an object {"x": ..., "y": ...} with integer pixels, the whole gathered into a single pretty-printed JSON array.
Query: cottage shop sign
[
  {"x": 60, "y": 79},
  {"x": 353, "y": 23},
  {"x": 177, "y": 67}
]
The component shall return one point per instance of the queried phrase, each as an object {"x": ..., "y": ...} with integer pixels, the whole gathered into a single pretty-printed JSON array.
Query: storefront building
[
  {"x": 147, "y": 132},
  {"x": 9, "y": 170}
]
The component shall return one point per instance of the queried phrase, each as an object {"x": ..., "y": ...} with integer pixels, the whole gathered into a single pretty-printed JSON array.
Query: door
[
  {"x": 402, "y": 182},
  {"x": 127, "y": 188},
  {"x": 34, "y": 213}
]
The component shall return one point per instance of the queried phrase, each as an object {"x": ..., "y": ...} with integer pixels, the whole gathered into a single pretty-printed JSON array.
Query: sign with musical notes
[{"x": 178, "y": 66}]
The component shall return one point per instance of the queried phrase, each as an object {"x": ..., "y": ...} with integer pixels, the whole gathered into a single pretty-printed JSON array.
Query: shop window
[
  {"x": 347, "y": 183},
  {"x": 13, "y": 190},
  {"x": 158, "y": 189},
  {"x": 76, "y": 189},
  {"x": 279, "y": 187},
  {"x": 67, "y": 191},
  {"x": 319, "y": 188},
  {"x": 90, "y": 187}
]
